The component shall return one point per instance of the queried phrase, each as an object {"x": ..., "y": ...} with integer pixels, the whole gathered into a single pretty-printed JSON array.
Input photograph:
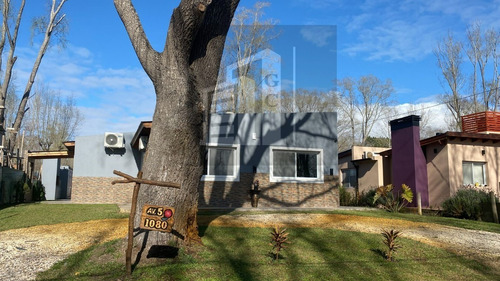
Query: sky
[{"x": 332, "y": 39}]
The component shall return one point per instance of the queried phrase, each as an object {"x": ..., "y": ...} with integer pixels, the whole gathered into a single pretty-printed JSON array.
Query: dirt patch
[
  {"x": 27, "y": 251},
  {"x": 30, "y": 250}
]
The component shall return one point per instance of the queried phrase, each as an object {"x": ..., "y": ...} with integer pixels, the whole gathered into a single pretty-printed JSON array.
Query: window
[
  {"x": 474, "y": 172},
  {"x": 221, "y": 163},
  {"x": 349, "y": 177},
  {"x": 296, "y": 164}
]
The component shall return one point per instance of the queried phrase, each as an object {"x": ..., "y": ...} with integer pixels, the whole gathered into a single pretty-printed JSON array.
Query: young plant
[
  {"x": 279, "y": 237},
  {"x": 391, "y": 202},
  {"x": 390, "y": 241}
]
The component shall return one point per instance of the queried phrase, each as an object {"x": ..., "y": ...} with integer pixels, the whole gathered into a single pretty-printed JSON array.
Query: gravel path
[{"x": 24, "y": 252}]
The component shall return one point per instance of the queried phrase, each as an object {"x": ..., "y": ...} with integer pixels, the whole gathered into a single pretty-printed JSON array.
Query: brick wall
[
  {"x": 100, "y": 190},
  {"x": 236, "y": 194},
  {"x": 221, "y": 194}
]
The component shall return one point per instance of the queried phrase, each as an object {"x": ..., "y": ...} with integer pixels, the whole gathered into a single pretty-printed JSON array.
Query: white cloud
[
  {"x": 408, "y": 30},
  {"x": 110, "y": 99},
  {"x": 318, "y": 35}
]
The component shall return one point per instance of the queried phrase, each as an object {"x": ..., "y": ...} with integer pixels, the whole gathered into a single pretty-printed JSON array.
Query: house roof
[
  {"x": 144, "y": 129},
  {"x": 68, "y": 153},
  {"x": 449, "y": 136}
]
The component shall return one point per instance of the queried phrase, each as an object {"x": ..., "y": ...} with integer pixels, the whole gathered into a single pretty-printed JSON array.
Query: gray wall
[
  {"x": 50, "y": 173},
  {"x": 93, "y": 160},
  {"x": 256, "y": 132}
]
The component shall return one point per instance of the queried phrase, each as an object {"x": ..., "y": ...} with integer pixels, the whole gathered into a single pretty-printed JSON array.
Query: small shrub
[
  {"x": 366, "y": 198},
  {"x": 466, "y": 204},
  {"x": 345, "y": 196},
  {"x": 279, "y": 237},
  {"x": 38, "y": 191},
  {"x": 390, "y": 202},
  {"x": 390, "y": 241}
]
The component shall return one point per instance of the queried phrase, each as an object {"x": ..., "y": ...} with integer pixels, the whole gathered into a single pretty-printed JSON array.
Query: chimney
[{"x": 408, "y": 162}]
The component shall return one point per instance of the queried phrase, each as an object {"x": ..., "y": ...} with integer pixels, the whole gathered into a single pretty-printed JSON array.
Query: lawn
[
  {"x": 26, "y": 215},
  {"x": 378, "y": 213},
  {"x": 244, "y": 254}
]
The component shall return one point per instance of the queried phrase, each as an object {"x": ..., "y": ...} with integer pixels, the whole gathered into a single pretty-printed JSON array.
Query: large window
[
  {"x": 296, "y": 165},
  {"x": 474, "y": 173},
  {"x": 221, "y": 163}
]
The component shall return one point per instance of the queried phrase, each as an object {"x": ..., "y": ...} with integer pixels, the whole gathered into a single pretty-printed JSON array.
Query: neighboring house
[
  {"x": 293, "y": 156},
  {"x": 435, "y": 167},
  {"x": 56, "y": 179},
  {"x": 363, "y": 168}
]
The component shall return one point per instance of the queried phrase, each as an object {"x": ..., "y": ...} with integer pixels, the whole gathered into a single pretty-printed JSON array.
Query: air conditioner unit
[
  {"x": 113, "y": 140},
  {"x": 143, "y": 143},
  {"x": 369, "y": 155}
]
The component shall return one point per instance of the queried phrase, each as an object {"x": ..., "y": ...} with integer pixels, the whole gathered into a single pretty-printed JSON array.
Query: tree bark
[{"x": 184, "y": 76}]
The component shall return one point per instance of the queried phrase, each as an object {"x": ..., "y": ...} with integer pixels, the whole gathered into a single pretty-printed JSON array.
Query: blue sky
[{"x": 389, "y": 39}]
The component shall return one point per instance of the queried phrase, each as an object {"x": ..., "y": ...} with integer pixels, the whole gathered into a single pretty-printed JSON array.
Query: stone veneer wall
[
  {"x": 221, "y": 194},
  {"x": 236, "y": 194},
  {"x": 100, "y": 190}
]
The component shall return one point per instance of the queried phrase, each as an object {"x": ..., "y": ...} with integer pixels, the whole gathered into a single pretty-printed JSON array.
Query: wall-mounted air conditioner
[
  {"x": 143, "y": 143},
  {"x": 369, "y": 155},
  {"x": 113, "y": 140}
]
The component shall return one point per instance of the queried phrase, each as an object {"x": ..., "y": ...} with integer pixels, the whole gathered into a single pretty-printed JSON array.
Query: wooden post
[
  {"x": 419, "y": 203},
  {"x": 133, "y": 207},
  {"x": 494, "y": 207}
]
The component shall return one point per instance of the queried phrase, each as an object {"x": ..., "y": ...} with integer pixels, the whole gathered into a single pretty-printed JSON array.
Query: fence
[{"x": 8, "y": 179}]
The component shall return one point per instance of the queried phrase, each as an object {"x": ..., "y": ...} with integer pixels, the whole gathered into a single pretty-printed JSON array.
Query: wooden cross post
[{"x": 133, "y": 208}]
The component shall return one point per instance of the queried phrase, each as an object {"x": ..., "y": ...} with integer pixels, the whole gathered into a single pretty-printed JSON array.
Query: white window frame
[
  {"x": 233, "y": 178},
  {"x": 319, "y": 167},
  {"x": 484, "y": 172}
]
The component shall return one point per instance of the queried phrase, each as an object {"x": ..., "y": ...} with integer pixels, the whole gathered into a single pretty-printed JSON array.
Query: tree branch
[
  {"x": 148, "y": 57},
  {"x": 129, "y": 179}
]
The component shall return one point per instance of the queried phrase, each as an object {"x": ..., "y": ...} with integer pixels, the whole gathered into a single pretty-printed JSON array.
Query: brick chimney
[{"x": 408, "y": 162}]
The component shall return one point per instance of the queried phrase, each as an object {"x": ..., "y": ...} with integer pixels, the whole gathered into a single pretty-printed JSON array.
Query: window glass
[
  {"x": 478, "y": 173},
  {"x": 307, "y": 165},
  {"x": 290, "y": 165},
  {"x": 467, "y": 171},
  {"x": 349, "y": 177},
  {"x": 221, "y": 161},
  {"x": 474, "y": 173},
  {"x": 283, "y": 164}
]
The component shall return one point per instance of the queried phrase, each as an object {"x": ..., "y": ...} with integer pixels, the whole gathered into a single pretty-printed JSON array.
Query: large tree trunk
[{"x": 184, "y": 76}]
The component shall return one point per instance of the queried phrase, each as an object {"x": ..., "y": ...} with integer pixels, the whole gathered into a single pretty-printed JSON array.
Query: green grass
[
  {"x": 461, "y": 223},
  {"x": 244, "y": 254},
  {"x": 26, "y": 215}
]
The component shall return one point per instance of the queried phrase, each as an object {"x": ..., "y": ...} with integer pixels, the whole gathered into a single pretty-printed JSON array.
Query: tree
[
  {"x": 184, "y": 76},
  {"x": 11, "y": 36},
  {"x": 249, "y": 34},
  {"x": 362, "y": 104},
  {"x": 51, "y": 119},
  {"x": 50, "y": 25},
  {"x": 308, "y": 101},
  {"x": 449, "y": 59},
  {"x": 479, "y": 92}
]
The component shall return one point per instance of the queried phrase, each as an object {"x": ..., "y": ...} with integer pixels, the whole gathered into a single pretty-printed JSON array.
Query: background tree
[
  {"x": 184, "y": 75},
  {"x": 449, "y": 59},
  {"x": 51, "y": 120},
  {"x": 475, "y": 90},
  {"x": 363, "y": 103},
  {"x": 50, "y": 25},
  {"x": 249, "y": 34},
  {"x": 9, "y": 36},
  {"x": 307, "y": 101}
]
